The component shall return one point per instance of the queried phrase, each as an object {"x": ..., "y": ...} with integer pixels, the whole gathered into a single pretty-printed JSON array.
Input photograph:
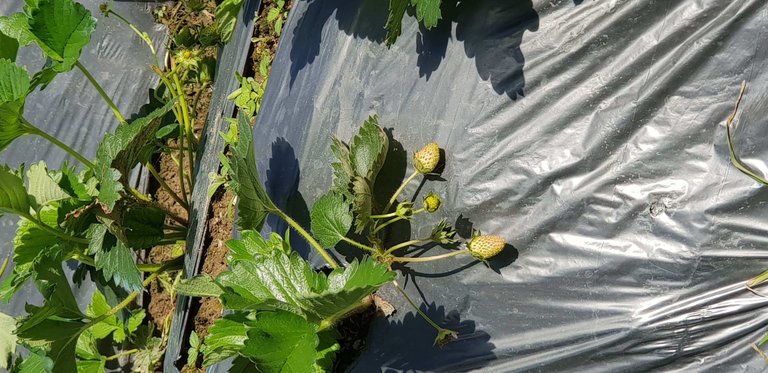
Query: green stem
[
  {"x": 138, "y": 32},
  {"x": 175, "y": 217},
  {"x": 429, "y": 258},
  {"x": 143, "y": 267},
  {"x": 418, "y": 310},
  {"x": 311, "y": 240},
  {"x": 187, "y": 121},
  {"x": 329, "y": 322},
  {"x": 758, "y": 280},
  {"x": 5, "y": 263},
  {"x": 181, "y": 166},
  {"x": 384, "y": 216},
  {"x": 358, "y": 244},
  {"x": 405, "y": 244},
  {"x": 165, "y": 186},
  {"x": 387, "y": 223},
  {"x": 125, "y": 301},
  {"x": 168, "y": 264},
  {"x": 400, "y": 190},
  {"x": 36, "y": 131},
  {"x": 101, "y": 91},
  {"x": 123, "y": 353}
]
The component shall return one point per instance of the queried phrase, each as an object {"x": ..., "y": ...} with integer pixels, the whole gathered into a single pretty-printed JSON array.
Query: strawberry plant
[
  {"x": 89, "y": 214},
  {"x": 282, "y": 313}
]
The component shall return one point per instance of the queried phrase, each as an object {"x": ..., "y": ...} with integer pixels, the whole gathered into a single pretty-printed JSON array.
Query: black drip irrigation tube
[{"x": 231, "y": 60}]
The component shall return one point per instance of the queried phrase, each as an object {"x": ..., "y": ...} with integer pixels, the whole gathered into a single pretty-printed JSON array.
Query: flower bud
[{"x": 432, "y": 202}]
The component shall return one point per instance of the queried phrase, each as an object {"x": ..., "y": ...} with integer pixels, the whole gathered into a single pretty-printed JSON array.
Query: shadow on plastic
[
  {"x": 491, "y": 32},
  {"x": 408, "y": 345}
]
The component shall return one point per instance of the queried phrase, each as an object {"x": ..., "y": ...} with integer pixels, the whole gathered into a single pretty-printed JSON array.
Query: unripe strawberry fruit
[
  {"x": 426, "y": 159},
  {"x": 486, "y": 246},
  {"x": 432, "y": 202}
]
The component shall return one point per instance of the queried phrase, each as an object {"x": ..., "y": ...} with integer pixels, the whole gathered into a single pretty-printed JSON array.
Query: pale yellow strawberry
[
  {"x": 426, "y": 159},
  {"x": 486, "y": 246}
]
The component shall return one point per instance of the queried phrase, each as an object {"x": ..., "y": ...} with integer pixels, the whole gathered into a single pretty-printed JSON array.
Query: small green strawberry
[
  {"x": 426, "y": 159},
  {"x": 432, "y": 202},
  {"x": 485, "y": 247}
]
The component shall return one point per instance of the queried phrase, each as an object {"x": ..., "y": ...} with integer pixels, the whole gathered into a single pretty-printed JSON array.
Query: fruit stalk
[
  {"x": 311, "y": 240},
  {"x": 430, "y": 258}
]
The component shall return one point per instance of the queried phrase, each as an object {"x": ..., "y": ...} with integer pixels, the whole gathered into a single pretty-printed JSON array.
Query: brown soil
[
  {"x": 176, "y": 16},
  {"x": 161, "y": 305},
  {"x": 264, "y": 38},
  {"x": 220, "y": 225}
]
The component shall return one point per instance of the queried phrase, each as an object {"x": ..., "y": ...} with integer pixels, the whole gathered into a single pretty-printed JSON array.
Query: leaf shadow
[
  {"x": 407, "y": 345},
  {"x": 491, "y": 32},
  {"x": 282, "y": 186},
  {"x": 365, "y": 19}
]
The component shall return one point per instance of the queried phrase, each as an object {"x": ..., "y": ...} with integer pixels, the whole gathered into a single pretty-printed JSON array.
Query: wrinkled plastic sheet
[
  {"x": 590, "y": 135},
  {"x": 72, "y": 110}
]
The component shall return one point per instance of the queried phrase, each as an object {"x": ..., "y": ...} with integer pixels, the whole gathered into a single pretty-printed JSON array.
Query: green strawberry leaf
[
  {"x": 16, "y": 26},
  {"x": 31, "y": 241},
  {"x": 143, "y": 226},
  {"x": 199, "y": 286},
  {"x": 427, "y": 12},
  {"x": 194, "y": 349},
  {"x": 369, "y": 149},
  {"x": 72, "y": 183},
  {"x": 45, "y": 76},
  {"x": 9, "y": 47},
  {"x": 118, "y": 153},
  {"x": 7, "y": 339},
  {"x": 326, "y": 351},
  {"x": 59, "y": 345},
  {"x": 225, "y": 338},
  {"x": 254, "y": 203},
  {"x": 41, "y": 188},
  {"x": 62, "y": 28},
  {"x": 86, "y": 346},
  {"x": 13, "y": 196},
  {"x": 226, "y": 18},
  {"x": 149, "y": 355},
  {"x": 30, "y": 5},
  {"x": 252, "y": 244},
  {"x": 343, "y": 171},
  {"x": 135, "y": 320},
  {"x": 109, "y": 184},
  {"x": 331, "y": 219},
  {"x": 362, "y": 204},
  {"x": 60, "y": 313},
  {"x": 117, "y": 264},
  {"x": 14, "y": 85},
  {"x": 110, "y": 325},
  {"x": 91, "y": 366},
  {"x": 122, "y": 149},
  {"x": 281, "y": 342},
  {"x": 34, "y": 363},
  {"x": 288, "y": 282},
  {"x": 394, "y": 24}
]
